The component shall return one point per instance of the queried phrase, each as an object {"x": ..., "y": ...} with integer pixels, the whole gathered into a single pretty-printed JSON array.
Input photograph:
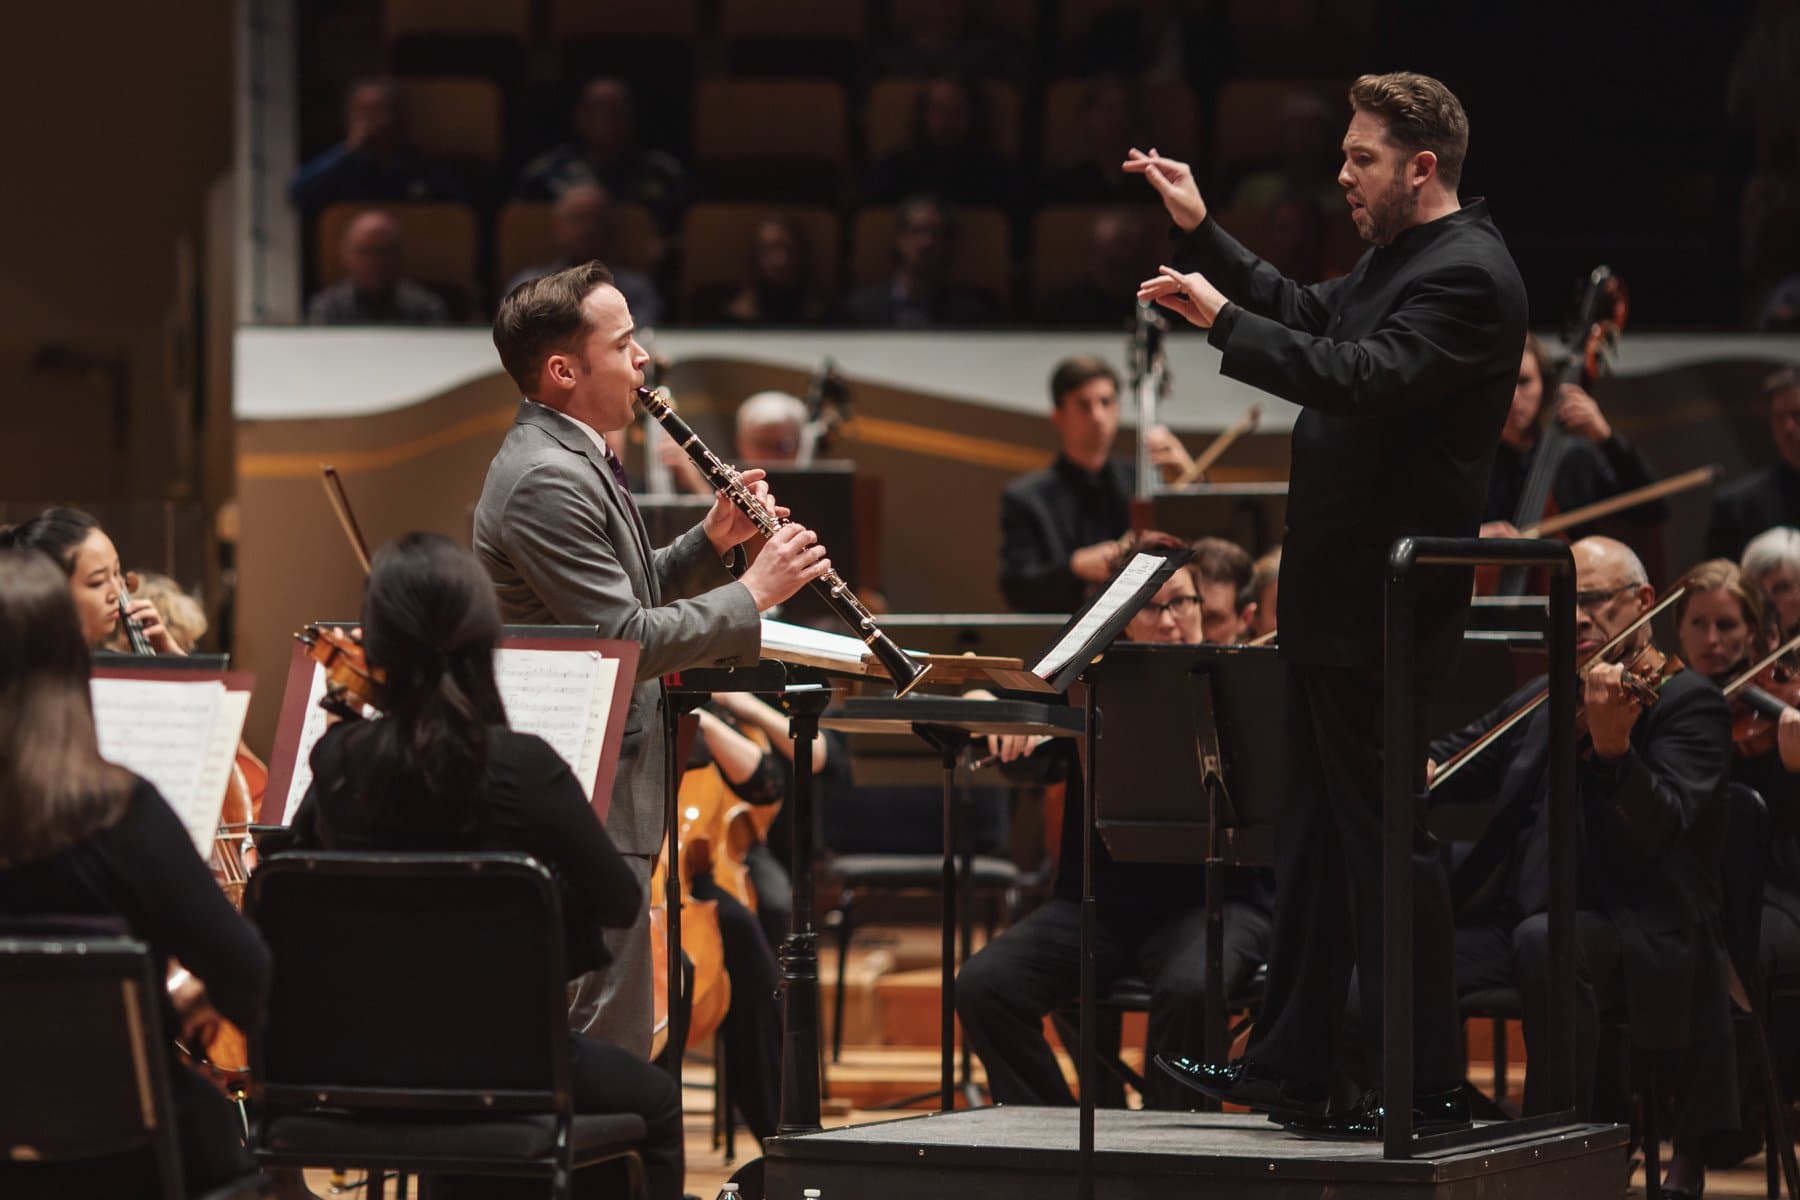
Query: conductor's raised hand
[
  {"x": 1174, "y": 182},
  {"x": 726, "y": 526},
  {"x": 792, "y": 559},
  {"x": 1188, "y": 294}
]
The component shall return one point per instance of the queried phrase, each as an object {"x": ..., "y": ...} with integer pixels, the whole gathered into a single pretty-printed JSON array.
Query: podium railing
[{"x": 1401, "y": 796}]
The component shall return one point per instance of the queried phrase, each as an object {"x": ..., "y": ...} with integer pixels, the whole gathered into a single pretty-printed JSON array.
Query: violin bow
[
  {"x": 1612, "y": 504},
  {"x": 1744, "y": 680},
  {"x": 340, "y": 504},
  {"x": 1457, "y": 761},
  {"x": 1245, "y": 424}
]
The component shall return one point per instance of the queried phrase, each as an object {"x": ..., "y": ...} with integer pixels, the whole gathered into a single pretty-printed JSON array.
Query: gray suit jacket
[{"x": 564, "y": 547}]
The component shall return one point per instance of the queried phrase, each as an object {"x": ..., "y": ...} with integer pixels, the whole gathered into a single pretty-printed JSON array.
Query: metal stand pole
[
  {"x": 800, "y": 949},
  {"x": 1087, "y": 1062}
]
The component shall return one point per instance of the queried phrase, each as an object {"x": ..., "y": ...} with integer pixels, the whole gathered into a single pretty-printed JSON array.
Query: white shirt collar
[{"x": 593, "y": 434}]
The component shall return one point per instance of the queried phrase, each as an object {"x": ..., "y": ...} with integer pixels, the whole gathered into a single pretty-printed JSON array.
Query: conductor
[{"x": 1404, "y": 371}]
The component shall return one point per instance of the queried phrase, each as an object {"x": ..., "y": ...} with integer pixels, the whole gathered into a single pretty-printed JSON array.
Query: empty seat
[
  {"x": 456, "y": 120},
  {"x": 483, "y": 37},
  {"x": 524, "y": 237},
  {"x": 437, "y": 245},
  {"x": 716, "y": 248},
  {"x": 981, "y": 258},
  {"x": 890, "y": 116},
  {"x": 772, "y": 140},
  {"x": 790, "y": 37}
]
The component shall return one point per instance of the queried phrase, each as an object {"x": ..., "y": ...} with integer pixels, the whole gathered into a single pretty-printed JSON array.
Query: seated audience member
[
  {"x": 1111, "y": 116},
  {"x": 374, "y": 164},
  {"x": 1651, "y": 786},
  {"x": 90, "y": 563},
  {"x": 1106, "y": 294},
  {"x": 949, "y": 153},
  {"x": 777, "y": 287},
  {"x": 919, "y": 294},
  {"x": 1223, "y": 572},
  {"x": 1600, "y": 463},
  {"x": 1745, "y": 507},
  {"x": 944, "y": 37},
  {"x": 582, "y": 224},
  {"x": 1152, "y": 923},
  {"x": 373, "y": 291},
  {"x": 605, "y": 151},
  {"x": 81, "y": 838},
  {"x": 1060, "y": 527},
  {"x": 1259, "y": 599},
  {"x": 1309, "y": 160},
  {"x": 442, "y": 770},
  {"x": 1772, "y": 565}
]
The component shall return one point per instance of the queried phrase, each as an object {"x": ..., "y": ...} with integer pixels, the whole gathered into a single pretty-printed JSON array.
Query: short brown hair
[
  {"x": 1078, "y": 372},
  {"x": 1219, "y": 561},
  {"x": 542, "y": 316},
  {"x": 1421, "y": 114}
]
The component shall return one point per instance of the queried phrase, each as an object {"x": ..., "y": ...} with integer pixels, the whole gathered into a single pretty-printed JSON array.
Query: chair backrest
[
  {"x": 716, "y": 246},
  {"x": 627, "y": 19},
  {"x": 454, "y": 120},
  {"x": 890, "y": 118},
  {"x": 82, "y": 1049},
  {"x": 980, "y": 259},
  {"x": 1248, "y": 118},
  {"x": 737, "y": 119},
  {"x": 524, "y": 237},
  {"x": 417, "y": 980}
]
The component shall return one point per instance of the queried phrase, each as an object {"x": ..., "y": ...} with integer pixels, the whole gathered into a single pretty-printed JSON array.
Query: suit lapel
[{"x": 572, "y": 438}]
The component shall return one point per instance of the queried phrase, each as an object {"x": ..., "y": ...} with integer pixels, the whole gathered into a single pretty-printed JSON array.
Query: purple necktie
[{"x": 618, "y": 474}]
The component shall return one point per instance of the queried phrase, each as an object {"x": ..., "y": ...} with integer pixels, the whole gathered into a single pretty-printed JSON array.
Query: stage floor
[{"x": 1030, "y": 1153}]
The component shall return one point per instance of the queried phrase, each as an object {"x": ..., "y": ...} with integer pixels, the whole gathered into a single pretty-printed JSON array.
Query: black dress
[
  {"x": 144, "y": 870},
  {"x": 533, "y": 805}
]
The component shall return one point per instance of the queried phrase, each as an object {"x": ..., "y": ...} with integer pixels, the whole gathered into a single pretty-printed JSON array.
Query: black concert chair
[
  {"x": 85, "y": 1108},
  {"x": 418, "y": 1021}
]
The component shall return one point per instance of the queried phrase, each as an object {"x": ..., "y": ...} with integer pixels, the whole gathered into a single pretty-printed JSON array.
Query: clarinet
[
  {"x": 134, "y": 630},
  {"x": 905, "y": 672}
]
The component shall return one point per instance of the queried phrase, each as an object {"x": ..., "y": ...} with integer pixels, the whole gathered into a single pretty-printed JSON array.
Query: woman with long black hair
[
  {"x": 81, "y": 837},
  {"x": 442, "y": 770},
  {"x": 74, "y": 540}
]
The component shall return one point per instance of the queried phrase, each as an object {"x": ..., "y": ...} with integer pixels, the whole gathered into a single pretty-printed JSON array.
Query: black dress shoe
[
  {"x": 1433, "y": 1112},
  {"x": 1240, "y": 1082}
]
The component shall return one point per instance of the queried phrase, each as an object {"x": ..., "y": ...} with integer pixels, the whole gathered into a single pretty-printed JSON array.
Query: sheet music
[
  {"x": 163, "y": 731},
  {"x": 312, "y": 728},
  {"x": 779, "y": 636},
  {"x": 563, "y": 697},
  {"x": 221, "y": 756},
  {"x": 1128, "y": 581}
]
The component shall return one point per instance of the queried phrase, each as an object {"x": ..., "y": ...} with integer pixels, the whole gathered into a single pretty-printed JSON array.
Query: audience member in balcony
[
  {"x": 372, "y": 291},
  {"x": 1106, "y": 293},
  {"x": 1309, "y": 159},
  {"x": 950, "y": 151},
  {"x": 945, "y": 37},
  {"x": 582, "y": 224},
  {"x": 919, "y": 294},
  {"x": 605, "y": 151},
  {"x": 1111, "y": 116},
  {"x": 777, "y": 288},
  {"x": 374, "y": 164}
]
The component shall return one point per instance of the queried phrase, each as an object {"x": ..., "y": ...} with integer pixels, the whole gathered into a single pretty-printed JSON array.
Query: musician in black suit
[
  {"x": 1651, "y": 815},
  {"x": 1745, "y": 507},
  {"x": 1405, "y": 371},
  {"x": 1598, "y": 462}
]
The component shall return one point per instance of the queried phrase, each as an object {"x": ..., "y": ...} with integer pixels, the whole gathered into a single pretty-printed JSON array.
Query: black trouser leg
[
  {"x": 606, "y": 1079},
  {"x": 1006, "y": 990},
  {"x": 1172, "y": 958},
  {"x": 753, "y": 1023},
  {"x": 774, "y": 892},
  {"x": 1328, "y": 879},
  {"x": 1599, "y": 987}
]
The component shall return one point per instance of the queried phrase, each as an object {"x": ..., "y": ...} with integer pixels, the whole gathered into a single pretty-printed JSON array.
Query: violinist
[
  {"x": 1772, "y": 565},
  {"x": 1600, "y": 465},
  {"x": 1722, "y": 622},
  {"x": 442, "y": 770},
  {"x": 81, "y": 837},
  {"x": 90, "y": 562},
  {"x": 1152, "y": 923},
  {"x": 1650, "y": 785}
]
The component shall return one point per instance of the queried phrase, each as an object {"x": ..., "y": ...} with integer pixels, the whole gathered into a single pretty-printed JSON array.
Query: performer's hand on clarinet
[
  {"x": 792, "y": 559},
  {"x": 726, "y": 526},
  {"x": 1174, "y": 182},
  {"x": 1188, "y": 294}
]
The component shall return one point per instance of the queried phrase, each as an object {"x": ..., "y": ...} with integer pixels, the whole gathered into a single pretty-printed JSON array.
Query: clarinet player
[{"x": 561, "y": 538}]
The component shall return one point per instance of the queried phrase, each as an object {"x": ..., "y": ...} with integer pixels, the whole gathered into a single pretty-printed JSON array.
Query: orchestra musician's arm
[
  {"x": 599, "y": 887},
  {"x": 1479, "y": 781},
  {"x": 1614, "y": 466},
  {"x": 1657, "y": 787},
  {"x": 175, "y": 904}
]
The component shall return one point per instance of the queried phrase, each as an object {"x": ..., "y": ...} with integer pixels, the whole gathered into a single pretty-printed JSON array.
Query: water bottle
[{"x": 729, "y": 1192}]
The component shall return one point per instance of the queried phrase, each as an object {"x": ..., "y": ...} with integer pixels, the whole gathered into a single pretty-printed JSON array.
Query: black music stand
[
  {"x": 1254, "y": 515},
  {"x": 947, "y": 724}
]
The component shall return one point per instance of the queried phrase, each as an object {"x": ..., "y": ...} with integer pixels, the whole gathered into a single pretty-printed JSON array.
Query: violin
[
  {"x": 1758, "y": 698},
  {"x": 353, "y": 689},
  {"x": 1646, "y": 671}
]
